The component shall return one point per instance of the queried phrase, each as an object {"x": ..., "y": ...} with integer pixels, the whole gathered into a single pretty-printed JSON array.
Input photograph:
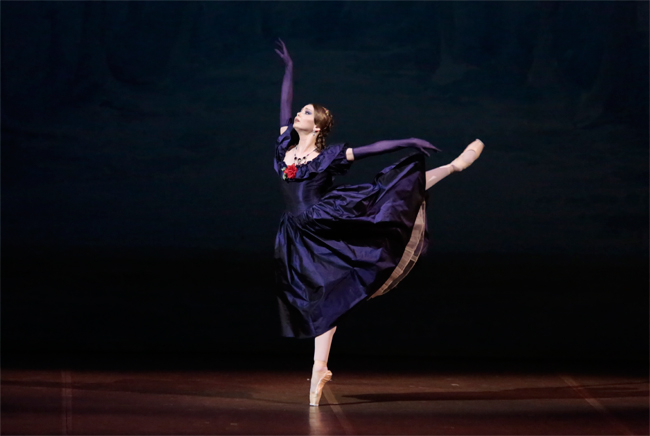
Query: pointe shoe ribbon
[
  {"x": 460, "y": 164},
  {"x": 314, "y": 397}
]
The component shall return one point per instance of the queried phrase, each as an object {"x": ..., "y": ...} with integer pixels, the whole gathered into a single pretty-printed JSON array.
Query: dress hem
[{"x": 411, "y": 253}]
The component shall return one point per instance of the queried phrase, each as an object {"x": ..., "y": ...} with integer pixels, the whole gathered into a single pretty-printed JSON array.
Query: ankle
[
  {"x": 320, "y": 365},
  {"x": 450, "y": 168}
]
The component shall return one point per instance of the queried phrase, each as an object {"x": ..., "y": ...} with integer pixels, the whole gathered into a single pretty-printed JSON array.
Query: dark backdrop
[{"x": 140, "y": 203}]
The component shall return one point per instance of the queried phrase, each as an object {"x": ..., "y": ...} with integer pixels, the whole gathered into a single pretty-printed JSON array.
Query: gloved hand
[
  {"x": 383, "y": 147},
  {"x": 287, "y": 84}
]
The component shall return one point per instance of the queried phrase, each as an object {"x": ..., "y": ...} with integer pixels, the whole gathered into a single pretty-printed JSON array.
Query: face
[{"x": 304, "y": 119}]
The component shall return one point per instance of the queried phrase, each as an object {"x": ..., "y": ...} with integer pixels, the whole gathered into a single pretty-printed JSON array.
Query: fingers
[
  {"x": 283, "y": 52},
  {"x": 422, "y": 149},
  {"x": 423, "y": 146},
  {"x": 280, "y": 43},
  {"x": 430, "y": 146},
  {"x": 422, "y": 142}
]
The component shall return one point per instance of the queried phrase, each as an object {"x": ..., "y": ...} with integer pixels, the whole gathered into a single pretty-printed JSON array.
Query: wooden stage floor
[{"x": 259, "y": 395}]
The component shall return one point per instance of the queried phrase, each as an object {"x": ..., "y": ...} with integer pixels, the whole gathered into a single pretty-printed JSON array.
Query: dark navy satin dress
[{"x": 337, "y": 246}]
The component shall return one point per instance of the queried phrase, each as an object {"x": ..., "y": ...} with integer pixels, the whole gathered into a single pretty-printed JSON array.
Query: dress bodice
[
  {"x": 313, "y": 179},
  {"x": 299, "y": 196}
]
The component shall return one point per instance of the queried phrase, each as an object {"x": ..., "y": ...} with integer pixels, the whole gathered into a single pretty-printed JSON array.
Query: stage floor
[{"x": 192, "y": 394}]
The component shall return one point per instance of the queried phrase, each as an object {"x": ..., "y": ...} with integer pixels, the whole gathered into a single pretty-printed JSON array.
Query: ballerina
[{"x": 339, "y": 246}]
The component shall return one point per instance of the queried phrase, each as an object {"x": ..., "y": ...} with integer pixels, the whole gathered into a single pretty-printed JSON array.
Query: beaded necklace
[
  {"x": 300, "y": 160},
  {"x": 289, "y": 172}
]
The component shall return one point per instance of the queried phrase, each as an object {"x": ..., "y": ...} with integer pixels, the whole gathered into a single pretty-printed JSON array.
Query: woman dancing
[{"x": 338, "y": 246}]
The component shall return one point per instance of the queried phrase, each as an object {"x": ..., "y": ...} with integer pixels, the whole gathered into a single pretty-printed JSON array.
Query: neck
[{"x": 306, "y": 143}]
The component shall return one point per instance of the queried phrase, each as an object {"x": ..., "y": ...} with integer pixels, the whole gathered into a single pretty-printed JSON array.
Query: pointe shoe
[
  {"x": 314, "y": 397},
  {"x": 460, "y": 164}
]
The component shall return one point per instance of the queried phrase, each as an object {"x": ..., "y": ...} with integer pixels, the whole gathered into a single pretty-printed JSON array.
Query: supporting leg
[
  {"x": 322, "y": 345},
  {"x": 320, "y": 374}
]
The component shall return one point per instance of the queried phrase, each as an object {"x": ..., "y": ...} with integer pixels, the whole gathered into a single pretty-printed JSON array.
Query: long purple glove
[
  {"x": 287, "y": 84},
  {"x": 383, "y": 147}
]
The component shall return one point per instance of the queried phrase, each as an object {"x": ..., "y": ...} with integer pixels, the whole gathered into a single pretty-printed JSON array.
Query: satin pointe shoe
[
  {"x": 314, "y": 397},
  {"x": 460, "y": 164}
]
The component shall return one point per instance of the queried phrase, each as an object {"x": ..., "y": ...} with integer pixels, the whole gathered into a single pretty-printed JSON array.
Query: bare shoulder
[{"x": 283, "y": 129}]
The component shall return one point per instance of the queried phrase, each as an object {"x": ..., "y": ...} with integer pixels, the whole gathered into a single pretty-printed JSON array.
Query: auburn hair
[{"x": 323, "y": 119}]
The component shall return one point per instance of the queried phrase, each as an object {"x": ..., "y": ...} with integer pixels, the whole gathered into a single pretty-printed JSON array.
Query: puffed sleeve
[
  {"x": 281, "y": 146},
  {"x": 339, "y": 163}
]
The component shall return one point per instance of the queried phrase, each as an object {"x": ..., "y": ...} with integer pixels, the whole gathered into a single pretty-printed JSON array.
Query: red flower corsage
[{"x": 289, "y": 172}]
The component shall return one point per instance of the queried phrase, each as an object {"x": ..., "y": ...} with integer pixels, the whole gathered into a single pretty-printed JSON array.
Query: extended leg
[
  {"x": 467, "y": 157},
  {"x": 437, "y": 174}
]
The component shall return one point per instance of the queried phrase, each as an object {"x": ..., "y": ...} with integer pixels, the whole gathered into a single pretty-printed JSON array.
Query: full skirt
[{"x": 356, "y": 243}]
